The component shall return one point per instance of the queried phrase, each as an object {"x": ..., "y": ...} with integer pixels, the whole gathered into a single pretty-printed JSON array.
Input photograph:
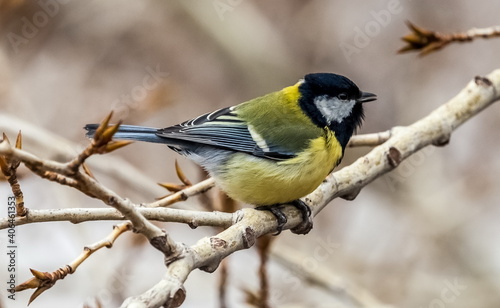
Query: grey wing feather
[{"x": 221, "y": 128}]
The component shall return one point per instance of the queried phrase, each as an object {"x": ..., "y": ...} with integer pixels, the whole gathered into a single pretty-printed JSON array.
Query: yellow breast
[{"x": 259, "y": 181}]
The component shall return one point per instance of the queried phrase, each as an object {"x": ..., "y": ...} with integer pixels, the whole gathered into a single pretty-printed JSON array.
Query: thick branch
[
  {"x": 369, "y": 140},
  {"x": 248, "y": 224},
  {"x": 433, "y": 129}
]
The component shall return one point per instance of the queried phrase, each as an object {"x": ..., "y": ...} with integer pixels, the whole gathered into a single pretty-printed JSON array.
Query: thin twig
[
  {"x": 223, "y": 283},
  {"x": 426, "y": 41},
  {"x": 8, "y": 167},
  {"x": 43, "y": 281},
  {"x": 184, "y": 194},
  {"x": 78, "y": 215},
  {"x": 71, "y": 175},
  {"x": 263, "y": 246}
]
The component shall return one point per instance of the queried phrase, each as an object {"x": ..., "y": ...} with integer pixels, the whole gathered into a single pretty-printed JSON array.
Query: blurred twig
[
  {"x": 426, "y": 41},
  {"x": 324, "y": 279},
  {"x": 226, "y": 205},
  {"x": 260, "y": 298},
  {"x": 263, "y": 247},
  {"x": 53, "y": 147},
  {"x": 223, "y": 283}
]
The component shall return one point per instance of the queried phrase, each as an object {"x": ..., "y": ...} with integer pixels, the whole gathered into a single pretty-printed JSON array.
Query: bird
[{"x": 271, "y": 150}]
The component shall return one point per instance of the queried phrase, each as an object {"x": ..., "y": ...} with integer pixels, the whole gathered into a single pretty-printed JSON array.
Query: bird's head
[{"x": 333, "y": 101}]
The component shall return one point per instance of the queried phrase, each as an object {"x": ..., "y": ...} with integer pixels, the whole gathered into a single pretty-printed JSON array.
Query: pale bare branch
[
  {"x": 79, "y": 215},
  {"x": 435, "y": 129},
  {"x": 248, "y": 224},
  {"x": 369, "y": 140}
]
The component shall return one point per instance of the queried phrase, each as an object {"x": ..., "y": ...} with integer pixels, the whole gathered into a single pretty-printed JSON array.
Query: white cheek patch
[{"x": 334, "y": 109}]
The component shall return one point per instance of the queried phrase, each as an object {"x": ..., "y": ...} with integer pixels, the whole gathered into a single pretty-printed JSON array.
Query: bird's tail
[{"x": 130, "y": 132}]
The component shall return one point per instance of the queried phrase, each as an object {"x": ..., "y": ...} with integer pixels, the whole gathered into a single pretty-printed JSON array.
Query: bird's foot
[
  {"x": 307, "y": 224},
  {"x": 303, "y": 228}
]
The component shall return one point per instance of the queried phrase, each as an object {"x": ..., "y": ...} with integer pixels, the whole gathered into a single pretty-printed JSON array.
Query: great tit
[{"x": 273, "y": 149}]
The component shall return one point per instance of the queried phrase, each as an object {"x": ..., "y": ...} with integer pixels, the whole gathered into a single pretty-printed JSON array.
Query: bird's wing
[{"x": 224, "y": 129}]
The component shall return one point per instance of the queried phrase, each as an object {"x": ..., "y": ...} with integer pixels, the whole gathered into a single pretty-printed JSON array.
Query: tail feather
[{"x": 130, "y": 132}]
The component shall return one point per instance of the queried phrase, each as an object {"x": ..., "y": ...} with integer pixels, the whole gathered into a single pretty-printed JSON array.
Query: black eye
[{"x": 342, "y": 96}]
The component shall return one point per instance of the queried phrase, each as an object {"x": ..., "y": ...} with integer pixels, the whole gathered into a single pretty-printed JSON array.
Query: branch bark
[
  {"x": 247, "y": 224},
  {"x": 435, "y": 129},
  {"x": 79, "y": 215}
]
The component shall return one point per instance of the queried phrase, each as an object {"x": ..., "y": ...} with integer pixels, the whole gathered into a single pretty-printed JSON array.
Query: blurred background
[{"x": 425, "y": 235}]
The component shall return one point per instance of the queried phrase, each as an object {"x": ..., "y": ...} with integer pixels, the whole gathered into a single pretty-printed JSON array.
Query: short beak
[{"x": 367, "y": 97}]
